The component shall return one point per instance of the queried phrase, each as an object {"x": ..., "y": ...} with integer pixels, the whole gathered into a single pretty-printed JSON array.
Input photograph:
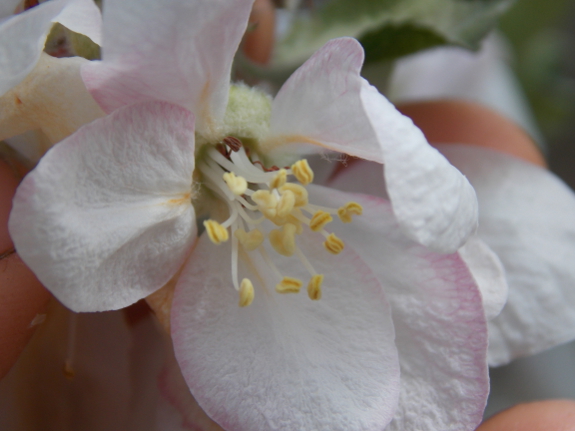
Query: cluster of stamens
[{"x": 254, "y": 195}]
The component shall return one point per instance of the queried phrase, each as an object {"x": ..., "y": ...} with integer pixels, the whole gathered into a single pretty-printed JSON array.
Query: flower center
[{"x": 255, "y": 195}]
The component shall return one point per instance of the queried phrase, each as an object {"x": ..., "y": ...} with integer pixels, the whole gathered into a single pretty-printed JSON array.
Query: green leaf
[{"x": 389, "y": 28}]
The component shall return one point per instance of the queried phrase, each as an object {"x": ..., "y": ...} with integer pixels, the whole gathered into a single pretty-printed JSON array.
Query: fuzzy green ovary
[{"x": 247, "y": 117}]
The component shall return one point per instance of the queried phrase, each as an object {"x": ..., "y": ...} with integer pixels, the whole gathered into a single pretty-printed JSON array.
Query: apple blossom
[{"x": 109, "y": 216}]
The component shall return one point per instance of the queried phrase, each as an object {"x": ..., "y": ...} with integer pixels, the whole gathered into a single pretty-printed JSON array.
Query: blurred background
[{"x": 542, "y": 36}]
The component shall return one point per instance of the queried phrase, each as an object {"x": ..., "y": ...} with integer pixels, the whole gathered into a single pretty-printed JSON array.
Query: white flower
[{"x": 107, "y": 218}]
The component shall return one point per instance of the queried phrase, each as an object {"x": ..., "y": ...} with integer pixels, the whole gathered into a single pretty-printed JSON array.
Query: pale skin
[{"x": 22, "y": 297}]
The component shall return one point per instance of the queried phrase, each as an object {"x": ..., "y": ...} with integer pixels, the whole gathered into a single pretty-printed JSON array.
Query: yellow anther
[
  {"x": 319, "y": 220},
  {"x": 250, "y": 240},
  {"x": 300, "y": 193},
  {"x": 286, "y": 203},
  {"x": 314, "y": 287},
  {"x": 279, "y": 180},
  {"x": 246, "y": 293},
  {"x": 289, "y": 285},
  {"x": 283, "y": 241},
  {"x": 238, "y": 185},
  {"x": 266, "y": 202},
  {"x": 298, "y": 226},
  {"x": 302, "y": 171},
  {"x": 351, "y": 208},
  {"x": 333, "y": 244},
  {"x": 216, "y": 231}
]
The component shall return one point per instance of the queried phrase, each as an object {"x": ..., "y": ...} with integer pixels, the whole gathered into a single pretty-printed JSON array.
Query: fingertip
[
  {"x": 22, "y": 296},
  {"x": 552, "y": 415},
  {"x": 462, "y": 122},
  {"x": 259, "y": 39}
]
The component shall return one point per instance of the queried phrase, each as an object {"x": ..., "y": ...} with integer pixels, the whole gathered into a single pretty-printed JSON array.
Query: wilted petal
[
  {"x": 52, "y": 98},
  {"x": 171, "y": 50},
  {"x": 106, "y": 217},
  {"x": 286, "y": 362},
  {"x": 326, "y": 103},
  {"x": 488, "y": 273},
  {"x": 441, "y": 333},
  {"x": 22, "y": 39},
  {"x": 84, "y": 17},
  {"x": 527, "y": 216}
]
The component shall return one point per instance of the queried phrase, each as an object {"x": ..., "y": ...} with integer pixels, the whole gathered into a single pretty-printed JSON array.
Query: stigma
[{"x": 256, "y": 196}]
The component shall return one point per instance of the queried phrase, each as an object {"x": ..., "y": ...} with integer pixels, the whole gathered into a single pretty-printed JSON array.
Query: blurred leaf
[{"x": 389, "y": 28}]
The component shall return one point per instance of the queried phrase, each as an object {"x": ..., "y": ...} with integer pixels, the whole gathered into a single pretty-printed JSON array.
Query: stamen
[
  {"x": 351, "y": 208},
  {"x": 266, "y": 202},
  {"x": 333, "y": 244},
  {"x": 286, "y": 204},
  {"x": 249, "y": 240},
  {"x": 238, "y": 185},
  {"x": 319, "y": 220},
  {"x": 302, "y": 172},
  {"x": 289, "y": 285},
  {"x": 235, "y": 226},
  {"x": 68, "y": 368},
  {"x": 234, "y": 143},
  {"x": 314, "y": 287},
  {"x": 279, "y": 180},
  {"x": 283, "y": 241},
  {"x": 300, "y": 193},
  {"x": 246, "y": 293},
  {"x": 216, "y": 231}
]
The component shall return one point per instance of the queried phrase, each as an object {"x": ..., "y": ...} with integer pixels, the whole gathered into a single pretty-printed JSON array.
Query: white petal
[
  {"x": 8, "y": 7},
  {"x": 286, "y": 362},
  {"x": 488, "y": 273},
  {"x": 527, "y": 216},
  {"x": 52, "y": 98},
  {"x": 84, "y": 17},
  {"x": 321, "y": 105},
  {"x": 441, "y": 332},
  {"x": 106, "y": 217},
  {"x": 171, "y": 50},
  {"x": 434, "y": 204},
  {"x": 22, "y": 39},
  {"x": 326, "y": 103}
]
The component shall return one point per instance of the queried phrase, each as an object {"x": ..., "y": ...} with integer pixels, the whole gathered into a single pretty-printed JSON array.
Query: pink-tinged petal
[
  {"x": 106, "y": 218},
  {"x": 320, "y": 105},
  {"x": 285, "y": 361},
  {"x": 84, "y": 17},
  {"x": 180, "y": 52},
  {"x": 526, "y": 215},
  {"x": 485, "y": 266},
  {"x": 22, "y": 39},
  {"x": 488, "y": 273},
  {"x": 441, "y": 332},
  {"x": 326, "y": 103}
]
